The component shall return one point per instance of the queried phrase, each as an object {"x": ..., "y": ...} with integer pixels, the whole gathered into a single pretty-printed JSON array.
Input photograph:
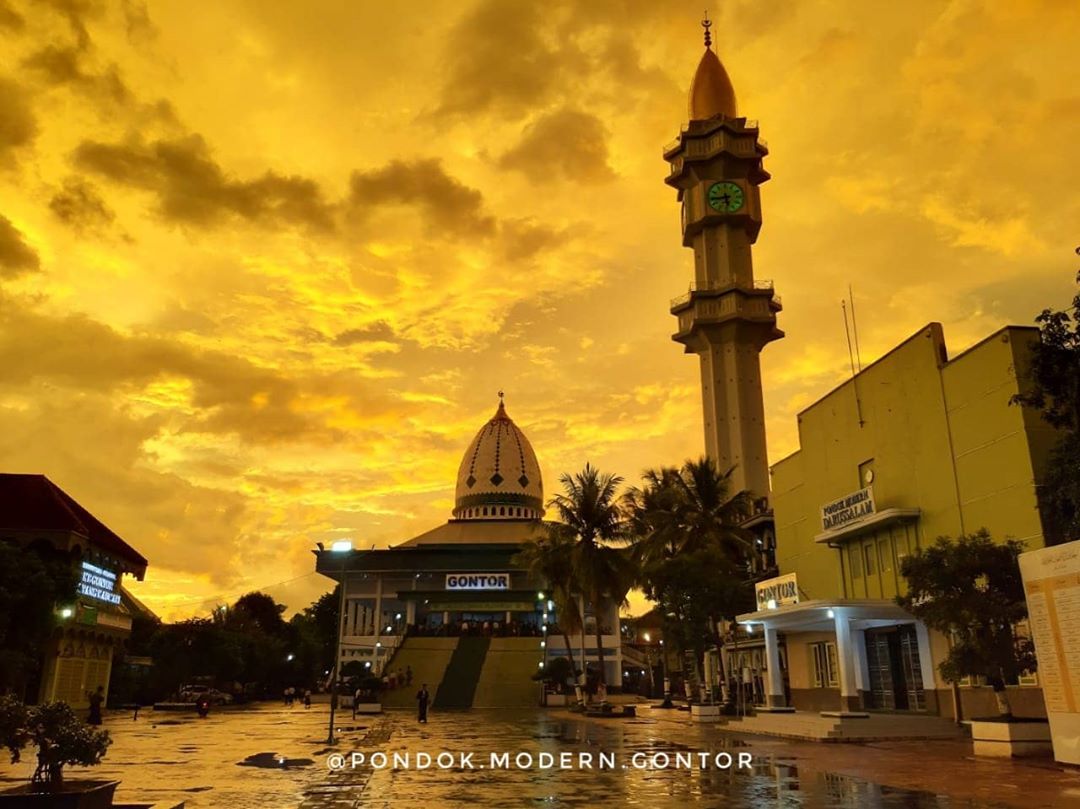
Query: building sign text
[
  {"x": 99, "y": 584},
  {"x": 778, "y": 592},
  {"x": 847, "y": 509},
  {"x": 478, "y": 581}
]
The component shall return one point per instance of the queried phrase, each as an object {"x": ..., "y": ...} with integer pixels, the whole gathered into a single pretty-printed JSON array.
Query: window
[
  {"x": 885, "y": 554},
  {"x": 868, "y": 551},
  {"x": 826, "y": 667},
  {"x": 856, "y": 561}
]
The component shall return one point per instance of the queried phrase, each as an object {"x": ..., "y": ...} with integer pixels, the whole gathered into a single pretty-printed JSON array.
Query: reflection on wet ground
[{"x": 268, "y": 757}]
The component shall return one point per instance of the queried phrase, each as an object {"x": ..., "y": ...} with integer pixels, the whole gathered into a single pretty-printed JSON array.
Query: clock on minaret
[{"x": 725, "y": 197}]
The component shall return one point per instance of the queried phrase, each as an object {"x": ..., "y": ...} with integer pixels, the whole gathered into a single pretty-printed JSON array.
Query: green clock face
[{"x": 725, "y": 197}]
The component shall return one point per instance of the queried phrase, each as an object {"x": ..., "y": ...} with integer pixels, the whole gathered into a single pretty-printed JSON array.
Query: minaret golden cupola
[
  {"x": 727, "y": 316},
  {"x": 711, "y": 92}
]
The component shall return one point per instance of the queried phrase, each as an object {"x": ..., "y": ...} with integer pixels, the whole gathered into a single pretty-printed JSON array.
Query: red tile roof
[{"x": 33, "y": 502}]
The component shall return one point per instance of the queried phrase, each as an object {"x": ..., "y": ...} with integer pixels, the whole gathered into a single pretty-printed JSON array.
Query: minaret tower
[{"x": 726, "y": 317}]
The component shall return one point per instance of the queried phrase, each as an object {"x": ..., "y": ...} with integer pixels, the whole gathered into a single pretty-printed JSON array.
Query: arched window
[
  {"x": 485, "y": 511},
  {"x": 502, "y": 511}
]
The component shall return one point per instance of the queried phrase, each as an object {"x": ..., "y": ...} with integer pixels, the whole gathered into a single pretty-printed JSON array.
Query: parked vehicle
[{"x": 198, "y": 693}]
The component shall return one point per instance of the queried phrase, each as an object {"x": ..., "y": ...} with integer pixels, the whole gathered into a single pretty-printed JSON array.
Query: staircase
[
  {"x": 876, "y": 727},
  {"x": 462, "y": 673},
  {"x": 428, "y": 658},
  {"x": 506, "y": 678}
]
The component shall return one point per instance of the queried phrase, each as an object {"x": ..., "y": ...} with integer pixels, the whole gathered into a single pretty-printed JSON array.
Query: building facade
[
  {"x": 916, "y": 446},
  {"x": 459, "y": 579},
  {"x": 91, "y": 629}
]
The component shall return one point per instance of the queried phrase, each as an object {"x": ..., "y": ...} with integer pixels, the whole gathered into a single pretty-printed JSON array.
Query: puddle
[{"x": 274, "y": 761}]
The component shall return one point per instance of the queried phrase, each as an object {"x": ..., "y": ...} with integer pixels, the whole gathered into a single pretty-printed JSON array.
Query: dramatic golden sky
[{"x": 264, "y": 265}]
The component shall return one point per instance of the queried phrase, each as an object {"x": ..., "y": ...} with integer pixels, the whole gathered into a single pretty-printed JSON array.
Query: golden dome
[
  {"x": 499, "y": 477},
  {"x": 711, "y": 92}
]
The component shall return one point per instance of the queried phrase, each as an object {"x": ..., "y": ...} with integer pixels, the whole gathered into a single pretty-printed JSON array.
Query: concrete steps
[
  {"x": 823, "y": 728},
  {"x": 428, "y": 658},
  {"x": 462, "y": 673},
  {"x": 505, "y": 680}
]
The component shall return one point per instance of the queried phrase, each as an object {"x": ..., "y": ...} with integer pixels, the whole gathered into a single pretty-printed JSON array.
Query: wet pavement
[{"x": 271, "y": 757}]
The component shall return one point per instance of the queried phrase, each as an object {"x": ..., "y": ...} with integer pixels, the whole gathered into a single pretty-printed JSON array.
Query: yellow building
[{"x": 916, "y": 446}]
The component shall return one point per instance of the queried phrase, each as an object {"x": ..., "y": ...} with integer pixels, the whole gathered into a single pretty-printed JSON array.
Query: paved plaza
[{"x": 271, "y": 756}]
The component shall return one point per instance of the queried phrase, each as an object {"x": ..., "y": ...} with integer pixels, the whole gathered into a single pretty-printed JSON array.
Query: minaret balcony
[{"x": 760, "y": 285}]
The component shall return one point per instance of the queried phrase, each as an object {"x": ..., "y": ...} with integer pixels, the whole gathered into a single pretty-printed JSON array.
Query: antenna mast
[{"x": 851, "y": 359}]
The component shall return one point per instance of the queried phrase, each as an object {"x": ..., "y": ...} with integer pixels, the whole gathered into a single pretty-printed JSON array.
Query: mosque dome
[
  {"x": 711, "y": 92},
  {"x": 499, "y": 477}
]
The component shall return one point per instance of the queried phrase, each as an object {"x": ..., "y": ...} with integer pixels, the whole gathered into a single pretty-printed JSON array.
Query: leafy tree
[
  {"x": 685, "y": 517},
  {"x": 59, "y": 735},
  {"x": 258, "y": 611},
  {"x": 33, "y": 582},
  {"x": 970, "y": 590},
  {"x": 549, "y": 558},
  {"x": 1054, "y": 378},
  {"x": 591, "y": 518}
]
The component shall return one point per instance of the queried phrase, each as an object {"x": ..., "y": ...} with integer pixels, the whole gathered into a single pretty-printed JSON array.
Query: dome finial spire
[{"x": 707, "y": 24}]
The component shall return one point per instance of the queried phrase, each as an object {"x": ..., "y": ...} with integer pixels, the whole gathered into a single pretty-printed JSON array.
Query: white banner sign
[
  {"x": 848, "y": 509},
  {"x": 778, "y": 592},
  {"x": 478, "y": 581}
]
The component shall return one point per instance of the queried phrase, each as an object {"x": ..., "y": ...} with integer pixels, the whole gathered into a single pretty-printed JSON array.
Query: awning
[{"x": 820, "y": 615}]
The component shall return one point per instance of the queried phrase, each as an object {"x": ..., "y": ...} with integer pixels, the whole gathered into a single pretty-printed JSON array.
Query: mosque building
[{"x": 451, "y": 603}]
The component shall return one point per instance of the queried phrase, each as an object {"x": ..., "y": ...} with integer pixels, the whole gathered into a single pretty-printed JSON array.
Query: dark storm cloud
[
  {"x": 79, "y": 206},
  {"x": 76, "y": 12},
  {"x": 16, "y": 256},
  {"x": 376, "y": 332},
  {"x": 448, "y": 204},
  {"x": 566, "y": 144},
  {"x": 10, "y": 18},
  {"x": 497, "y": 61},
  {"x": 63, "y": 66},
  {"x": 193, "y": 189},
  {"x": 523, "y": 239},
  {"x": 229, "y": 393},
  {"x": 17, "y": 124},
  {"x": 137, "y": 21}
]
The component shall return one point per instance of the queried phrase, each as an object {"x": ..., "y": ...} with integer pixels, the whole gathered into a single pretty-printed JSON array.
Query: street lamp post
[
  {"x": 343, "y": 547},
  {"x": 667, "y": 680}
]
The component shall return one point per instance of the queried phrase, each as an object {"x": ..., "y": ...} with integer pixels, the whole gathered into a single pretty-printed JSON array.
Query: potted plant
[
  {"x": 554, "y": 677},
  {"x": 970, "y": 590},
  {"x": 61, "y": 738}
]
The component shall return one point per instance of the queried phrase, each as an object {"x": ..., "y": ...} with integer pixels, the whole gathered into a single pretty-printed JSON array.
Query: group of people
[
  {"x": 394, "y": 679},
  {"x": 487, "y": 629},
  {"x": 292, "y": 695}
]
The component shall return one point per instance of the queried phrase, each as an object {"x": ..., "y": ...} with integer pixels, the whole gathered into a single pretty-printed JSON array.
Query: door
[
  {"x": 892, "y": 656},
  {"x": 912, "y": 668},
  {"x": 879, "y": 663}
]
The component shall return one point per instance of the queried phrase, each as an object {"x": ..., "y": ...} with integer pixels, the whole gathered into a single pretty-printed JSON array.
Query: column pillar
[
  {"x": 410, "y": 612},
  {"x": 774, "y": 683},
  {"x": 847, "y": 655},
  {"x": 862, "y": 668},
  {"x": 378, "y": 606},
  {"x": 926, "y": 657}
]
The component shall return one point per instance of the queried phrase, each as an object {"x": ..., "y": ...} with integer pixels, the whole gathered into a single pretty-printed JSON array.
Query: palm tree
[
  {"x": 547, "y": 558},
  {"x": 686, "y": 511},
  {"x": 591, "y": 515}
]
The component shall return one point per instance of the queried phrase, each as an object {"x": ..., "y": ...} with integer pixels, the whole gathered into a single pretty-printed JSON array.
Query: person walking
[
  {"x": 307, "y": 698},
  {"x": 408, "y": 675},
  {"x": 422, "y": 699},
  {"x": 96, "y": 700}
]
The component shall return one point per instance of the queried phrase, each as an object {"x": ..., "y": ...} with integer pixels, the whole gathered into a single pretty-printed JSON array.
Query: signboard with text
[
  {"x": 778, "y": 592},
  {"x": 1052, "y": 589},
  {"x": 98, "y": 583},
  {"x": 848, "y": 509},
  {"x": 478, "y": 581}
]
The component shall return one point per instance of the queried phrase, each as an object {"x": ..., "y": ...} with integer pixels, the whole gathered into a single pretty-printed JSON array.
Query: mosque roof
[{"x": 499, "y": 476}]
